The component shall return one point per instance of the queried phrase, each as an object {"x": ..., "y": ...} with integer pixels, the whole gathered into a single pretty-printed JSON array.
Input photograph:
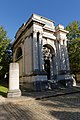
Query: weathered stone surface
[
  {"x": 14, "y": 80},
  {"x": 37, "y": 34},
  {"x": 14, "y": 93}
]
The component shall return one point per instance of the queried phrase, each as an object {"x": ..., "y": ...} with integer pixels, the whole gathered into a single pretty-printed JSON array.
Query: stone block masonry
[{"x": 14, "y": 90}]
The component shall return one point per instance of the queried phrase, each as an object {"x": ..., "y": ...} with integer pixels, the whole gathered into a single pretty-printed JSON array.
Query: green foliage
[
  {"x": 74, "y": 46},
  {"x": 4, "y": 42},
  {"x": 74, "y": 30},
  {"x": 3, "y": 89}
]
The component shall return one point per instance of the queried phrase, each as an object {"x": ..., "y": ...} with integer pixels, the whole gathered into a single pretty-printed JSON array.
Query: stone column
[
  {"x": 55, "y": 60},
  {"x": 63, "y": 64},
  {"x": 58, "y": 54},
  {"x": 51, "y": 67},
  {"x": 25, "y": 55},
  {"x": 35, "y": 52},
  {"x": 31, "y": 55},
  {"x": 14, "y": 90},
  {"x": 66, "y": 56},
  {"x": 40, "y": 51},
  {"x": 32, "y": 64}
]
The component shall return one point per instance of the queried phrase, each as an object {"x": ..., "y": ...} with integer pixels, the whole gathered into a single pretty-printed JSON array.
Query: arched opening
[
  {"x": 19, "y": 60},
  {"x": 48, "y": 56},
  {"x": 19, "y": 53}
]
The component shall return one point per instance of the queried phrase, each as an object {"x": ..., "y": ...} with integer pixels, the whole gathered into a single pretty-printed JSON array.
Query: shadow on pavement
[
  {"x": 3, "y": 94},
  {"x": 50, "y": 93},
  {"x": 64, "y": 115},
  {"x": 11, "y": 111},
  {"x": 63, "y": 107}
]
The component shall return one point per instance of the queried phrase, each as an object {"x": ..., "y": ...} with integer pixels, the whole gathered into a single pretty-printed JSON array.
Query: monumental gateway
[{"x": 40, "y": 48}]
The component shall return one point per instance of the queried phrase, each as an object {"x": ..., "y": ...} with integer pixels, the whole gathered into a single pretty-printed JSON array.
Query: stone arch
[
  {"x": 19, "y": 59},
  {"x": 48, "y": 56},
  {"x": 50, "y": 47},
  {"x": 50, "y": 43}
]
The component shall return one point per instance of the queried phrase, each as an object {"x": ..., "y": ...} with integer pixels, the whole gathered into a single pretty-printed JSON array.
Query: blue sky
[{"x": 15, "y": 12}]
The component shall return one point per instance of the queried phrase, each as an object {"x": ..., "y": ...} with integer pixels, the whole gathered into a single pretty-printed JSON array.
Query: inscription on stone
[
  {"x": 14, "y": 80},
  {"x": 14, "y": 76}
]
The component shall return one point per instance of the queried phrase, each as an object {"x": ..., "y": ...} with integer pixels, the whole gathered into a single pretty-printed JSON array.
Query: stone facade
[{"x": 40, "y": 48}]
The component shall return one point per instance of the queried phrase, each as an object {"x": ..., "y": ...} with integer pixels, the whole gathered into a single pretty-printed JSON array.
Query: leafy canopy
[
  {"x": 74, "y": 45},
  {"x": 74, "y": 30},
  {"x": 4, "y": 60}
]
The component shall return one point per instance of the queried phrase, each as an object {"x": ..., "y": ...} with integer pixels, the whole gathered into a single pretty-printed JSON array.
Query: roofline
[
  {"x": 43, "y": 17},
  {"x": 31, "y": 18},
  {"x": 63, "y": 30}
]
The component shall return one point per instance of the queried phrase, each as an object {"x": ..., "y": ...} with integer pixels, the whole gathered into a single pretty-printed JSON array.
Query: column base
[
  {"x": 67, "y": 80},
  {"x": 34, "y": 83},
  {"x": 14, "y": 93}
]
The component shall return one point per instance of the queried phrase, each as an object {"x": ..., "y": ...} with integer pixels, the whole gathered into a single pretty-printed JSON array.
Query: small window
[{"x": 18, "y": 53}]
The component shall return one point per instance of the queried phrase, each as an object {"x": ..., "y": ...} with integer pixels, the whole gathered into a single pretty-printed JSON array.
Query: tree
[
  {"x": 4, "y": 55},
  {"x": 74, "y": 46},
  {"x": 74, "y": 30}
]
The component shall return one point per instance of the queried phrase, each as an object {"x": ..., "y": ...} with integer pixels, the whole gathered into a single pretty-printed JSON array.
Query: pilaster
[
  {"x": 63, "y": 63},
  {"x": 35, "y": 51},
  {"x": 66, "y": 56},
  {"x": 40, "y": 51},
  {"x": 56, "y": 59}
]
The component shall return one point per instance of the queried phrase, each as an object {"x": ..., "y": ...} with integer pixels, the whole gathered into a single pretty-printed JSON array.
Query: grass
[{"x": 3, "y": 90}]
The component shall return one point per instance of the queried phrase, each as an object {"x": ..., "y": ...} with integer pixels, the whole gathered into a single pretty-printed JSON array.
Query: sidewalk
[
  {"x": 27, "y": 95},
  {"x": 32, "y": 106},
  {"x": 51, "y": 93}
]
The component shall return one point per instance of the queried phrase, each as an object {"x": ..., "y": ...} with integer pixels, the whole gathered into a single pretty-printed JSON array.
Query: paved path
[
  {"x": 64, "y": 107},
  {"x": 53, "y": 93}
]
